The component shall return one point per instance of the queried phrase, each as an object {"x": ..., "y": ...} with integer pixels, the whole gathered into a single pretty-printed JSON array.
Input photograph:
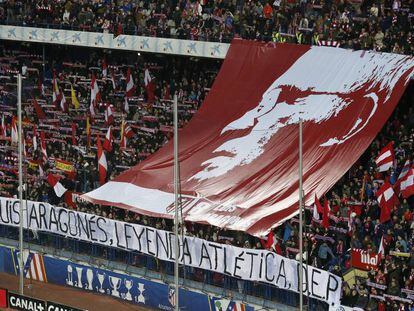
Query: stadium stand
[
  {"x": 382, "y": 26},
  {"x": 354, "y": 221}
]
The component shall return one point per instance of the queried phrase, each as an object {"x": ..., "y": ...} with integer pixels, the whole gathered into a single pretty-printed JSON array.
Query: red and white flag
[
  {"x": 109, "y": 115},
  {"x": 271, "y": 243},
  {"x": 104, "y": 68},
  {"x": 57, "y": 186},
  {"x": 130, "y": 87},
  {"x": 102, "y": 164},
  {"x": 325, "y": 215},
  {"x": 43, "y": 146},
  {"x": 149, "y": 86},
  {"x": 381, "y": 249},
  {"x": 407, "y": 184},
  {"x": 387, "y": 199},
  {"x": 317, "y": 209},
  {"x": 95, "y": 95},
  {"x": 107, "y": 144},
  {"x": 63, "y": 103},
  {"x": 385, "y": 159},
  {"x": 55, "y": 91},
  {"x": 405, "y": 170},
  {"x": 14, "y": 131},
  {"x": 129, "y": 132}
]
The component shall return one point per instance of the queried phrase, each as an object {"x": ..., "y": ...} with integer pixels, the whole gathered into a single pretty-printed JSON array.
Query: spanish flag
[
  {"x": 64, "y": 165},
  {"x": 33, "y": 164},
  {"x": 75, "y": 101}
]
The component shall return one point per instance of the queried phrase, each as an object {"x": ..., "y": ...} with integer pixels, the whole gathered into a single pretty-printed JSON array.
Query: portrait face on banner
[{"x": 239, "y": 153}]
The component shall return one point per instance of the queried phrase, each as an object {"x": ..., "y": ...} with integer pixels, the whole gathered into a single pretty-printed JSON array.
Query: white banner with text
[{"x": 247, "y": 264}]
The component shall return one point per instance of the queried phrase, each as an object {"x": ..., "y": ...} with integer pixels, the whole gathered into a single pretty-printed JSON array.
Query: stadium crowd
[
  {"x": 150, "y": 124},
  {"x": 385, "y": 25},
  {"x": 328, "y": 248},
  {"x": 71, "y": 149}
]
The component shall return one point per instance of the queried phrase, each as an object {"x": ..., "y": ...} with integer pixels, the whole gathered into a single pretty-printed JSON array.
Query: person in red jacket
[{"x": 267, "y": 10}]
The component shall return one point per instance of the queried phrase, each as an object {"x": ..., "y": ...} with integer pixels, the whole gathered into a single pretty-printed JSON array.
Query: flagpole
[
  {"x": 300, "y": 219},
  {"x": 20, "y": 141},
  {"x": 176, "y": 215}
]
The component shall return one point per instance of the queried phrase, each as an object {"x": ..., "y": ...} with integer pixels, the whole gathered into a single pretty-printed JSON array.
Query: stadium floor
[{"x": 66, "y": 295}]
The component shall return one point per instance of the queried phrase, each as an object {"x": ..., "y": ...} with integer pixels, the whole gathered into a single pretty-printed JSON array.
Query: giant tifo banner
[
  {"x": 117, "y": 284},
  {"x": 241, "y": 263},
  {"x": 239, "y": 154}
]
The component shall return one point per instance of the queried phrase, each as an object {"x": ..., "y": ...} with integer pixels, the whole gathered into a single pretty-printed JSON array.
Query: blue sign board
[{"x": 118, "y": 285}]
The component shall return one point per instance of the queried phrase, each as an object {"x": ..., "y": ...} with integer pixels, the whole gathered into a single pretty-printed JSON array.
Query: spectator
[{"x": 323, "y": 252}]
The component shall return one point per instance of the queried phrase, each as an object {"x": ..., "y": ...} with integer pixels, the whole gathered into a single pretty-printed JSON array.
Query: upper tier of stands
[{"x": 359, "y": 24}]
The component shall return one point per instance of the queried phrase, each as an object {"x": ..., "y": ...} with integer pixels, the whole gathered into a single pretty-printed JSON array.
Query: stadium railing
[{"x": 148, "y": 263}]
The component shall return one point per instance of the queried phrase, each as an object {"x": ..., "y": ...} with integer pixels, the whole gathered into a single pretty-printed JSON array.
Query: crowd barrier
[
  {"x": 149, "y": 264},
  {"x": 133, "y": 289}
]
